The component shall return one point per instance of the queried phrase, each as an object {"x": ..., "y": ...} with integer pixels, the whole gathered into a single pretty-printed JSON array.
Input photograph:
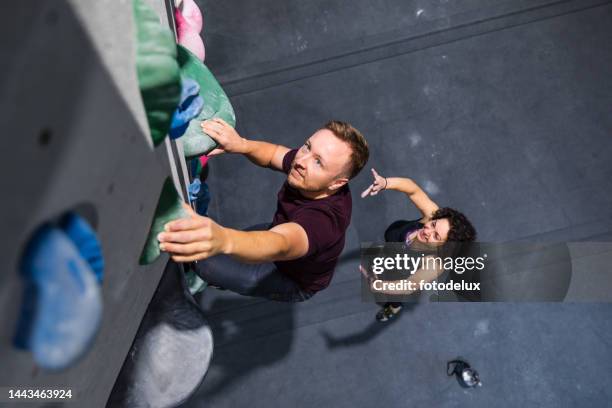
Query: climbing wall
[{"x": 75, "y": 137}]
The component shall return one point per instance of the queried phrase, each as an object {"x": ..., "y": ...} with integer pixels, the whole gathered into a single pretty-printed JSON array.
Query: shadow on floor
[
  {"x": 248, "y": 335},
  {"x": 370, "y": 332}
]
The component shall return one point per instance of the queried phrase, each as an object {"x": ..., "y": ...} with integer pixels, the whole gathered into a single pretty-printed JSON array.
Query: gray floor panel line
[
  {"x": 267, "y": 80},
  {"x": 574, "y": 233},
  {"x": 311, "y": 57}
]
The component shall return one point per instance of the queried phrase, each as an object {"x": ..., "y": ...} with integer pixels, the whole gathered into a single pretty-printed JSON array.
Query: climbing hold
[
  {"x": 195, "y": 168},
  {"x": 171, "y": 352},
  {"x": 62, "y": 304},
  {"x": 199, "y": 195},
  {"x": 169, "y": 207},
  {"x": 84, "y": 238},
  {"x": 203, "y": 160},
  {"x": 198, "y": 167},
  {"x": 192, "y": 14},
  {"x": 190, "y": 106},
  {"x": 188, "y": 36},
  {"x": 189, "y": 89},
  {"x": 194, "y": 189},
  {"x": 194, "y": 283},
  {"x": 216, "y": 104},
  {"x": 157, "y": 69}
]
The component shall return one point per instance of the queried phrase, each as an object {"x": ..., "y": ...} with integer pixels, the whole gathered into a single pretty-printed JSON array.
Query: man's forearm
[
  {"x": 260, "y": 153},
  {"x": 256, "y": 246}
]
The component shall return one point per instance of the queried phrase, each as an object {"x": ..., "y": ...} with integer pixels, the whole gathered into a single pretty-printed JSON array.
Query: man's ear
[{"x": 337, "y": 183}]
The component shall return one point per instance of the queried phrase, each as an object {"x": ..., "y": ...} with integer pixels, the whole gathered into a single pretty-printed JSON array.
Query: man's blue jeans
[{"x": 259, "y": 280}]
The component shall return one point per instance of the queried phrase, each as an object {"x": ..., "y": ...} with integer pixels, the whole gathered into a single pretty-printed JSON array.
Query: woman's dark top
[{"x": 399, "y": 230}]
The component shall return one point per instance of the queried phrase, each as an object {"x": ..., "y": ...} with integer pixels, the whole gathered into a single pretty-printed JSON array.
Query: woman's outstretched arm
[{"x": 407, "y": 186}]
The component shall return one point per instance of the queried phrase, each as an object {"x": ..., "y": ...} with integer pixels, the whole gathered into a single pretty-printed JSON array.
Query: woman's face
[{"x": 434, "y": 232}]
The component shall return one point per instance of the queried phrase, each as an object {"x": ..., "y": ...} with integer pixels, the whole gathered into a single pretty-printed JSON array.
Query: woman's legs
[
  {"x": 389, "y": 311},
  {"x": 396, "y": 232}
]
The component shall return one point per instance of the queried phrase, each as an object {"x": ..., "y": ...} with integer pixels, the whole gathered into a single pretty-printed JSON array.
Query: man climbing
[{"x": 295, "y": 256}]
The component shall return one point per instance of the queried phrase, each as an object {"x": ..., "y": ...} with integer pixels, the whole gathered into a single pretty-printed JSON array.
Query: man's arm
[
  {"x": 261, "y": 153},
  {"x": 281, "y": 243},
  {"x": 196, "y": 238},
  {"x": 265, "y": 154}
]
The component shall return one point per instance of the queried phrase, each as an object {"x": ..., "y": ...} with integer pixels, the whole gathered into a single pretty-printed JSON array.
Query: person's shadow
[
  {"x": 371, "y": 331},
  {"x": 374, "y": 328},
  {"x": 248, "y": 333}
]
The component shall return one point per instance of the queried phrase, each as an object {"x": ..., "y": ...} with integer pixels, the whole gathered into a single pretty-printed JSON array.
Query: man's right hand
[{"x": 229, "y": 140}]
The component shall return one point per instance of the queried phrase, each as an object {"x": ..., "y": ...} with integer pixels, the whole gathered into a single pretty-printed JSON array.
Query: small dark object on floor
[{"x": 466, "y": 375}]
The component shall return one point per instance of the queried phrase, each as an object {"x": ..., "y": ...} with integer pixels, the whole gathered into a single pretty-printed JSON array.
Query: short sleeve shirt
[{"x": 325, "y": 221}]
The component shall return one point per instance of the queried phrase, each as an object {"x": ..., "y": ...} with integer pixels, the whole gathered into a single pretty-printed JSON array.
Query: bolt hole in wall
[{"x": 45, "y": 136}]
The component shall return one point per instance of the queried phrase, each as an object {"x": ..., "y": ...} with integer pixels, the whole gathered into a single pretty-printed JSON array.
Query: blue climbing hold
[
  {"x": 86, "y": 241},
  {"x": 62, "y": 306},
  {"x": 200, "y": 195},
  {"x": 190, "y": 106},
  {"x": 194, "y": 188},
  {"x": 189, "y": 88}
]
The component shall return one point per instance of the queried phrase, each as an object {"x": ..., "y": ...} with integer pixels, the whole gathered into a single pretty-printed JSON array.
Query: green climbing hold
[
  {"x": 196, "y": 167},
  {"x": 195, "y": 284},
  {"x": 169, "y": 208},
  {"x": 216, "y": 104},
  {"x": 158, "y": 72}
]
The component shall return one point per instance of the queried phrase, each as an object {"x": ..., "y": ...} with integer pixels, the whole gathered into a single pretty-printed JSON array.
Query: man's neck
[{"x": 317, "y": 195}]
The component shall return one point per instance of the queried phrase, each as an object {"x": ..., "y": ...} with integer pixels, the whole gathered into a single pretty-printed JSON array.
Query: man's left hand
[{"x": 193, "y": 238}]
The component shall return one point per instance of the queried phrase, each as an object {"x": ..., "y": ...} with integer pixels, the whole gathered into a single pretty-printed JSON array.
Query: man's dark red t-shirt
[{"x": 325, "y": 221}]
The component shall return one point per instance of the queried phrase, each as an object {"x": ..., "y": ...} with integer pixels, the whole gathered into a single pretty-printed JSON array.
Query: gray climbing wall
[{"x": 74, "y": 133}]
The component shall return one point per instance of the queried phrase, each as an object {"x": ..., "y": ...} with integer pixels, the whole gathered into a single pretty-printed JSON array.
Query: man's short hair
[{"x": 360, "y": 151}]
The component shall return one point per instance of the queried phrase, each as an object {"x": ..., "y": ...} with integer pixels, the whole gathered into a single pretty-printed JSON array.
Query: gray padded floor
[{"x": 500, "y": 109}]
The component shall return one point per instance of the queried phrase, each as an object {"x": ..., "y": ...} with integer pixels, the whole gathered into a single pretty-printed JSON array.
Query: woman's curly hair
[{"x": 461, "y": 229}]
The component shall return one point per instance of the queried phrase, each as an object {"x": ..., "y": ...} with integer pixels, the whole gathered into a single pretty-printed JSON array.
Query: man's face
[{"x": 321, "y": 164}]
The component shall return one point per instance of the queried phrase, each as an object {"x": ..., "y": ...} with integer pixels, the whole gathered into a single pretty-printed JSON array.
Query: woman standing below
[{"x": 437, "y": 225}]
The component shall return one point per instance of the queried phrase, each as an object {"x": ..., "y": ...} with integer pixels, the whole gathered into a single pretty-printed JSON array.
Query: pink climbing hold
[
  {"x": 188, "y": 37},
  {"x": 193, "y": 15},
  {"x": 203, "y": 160}
]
